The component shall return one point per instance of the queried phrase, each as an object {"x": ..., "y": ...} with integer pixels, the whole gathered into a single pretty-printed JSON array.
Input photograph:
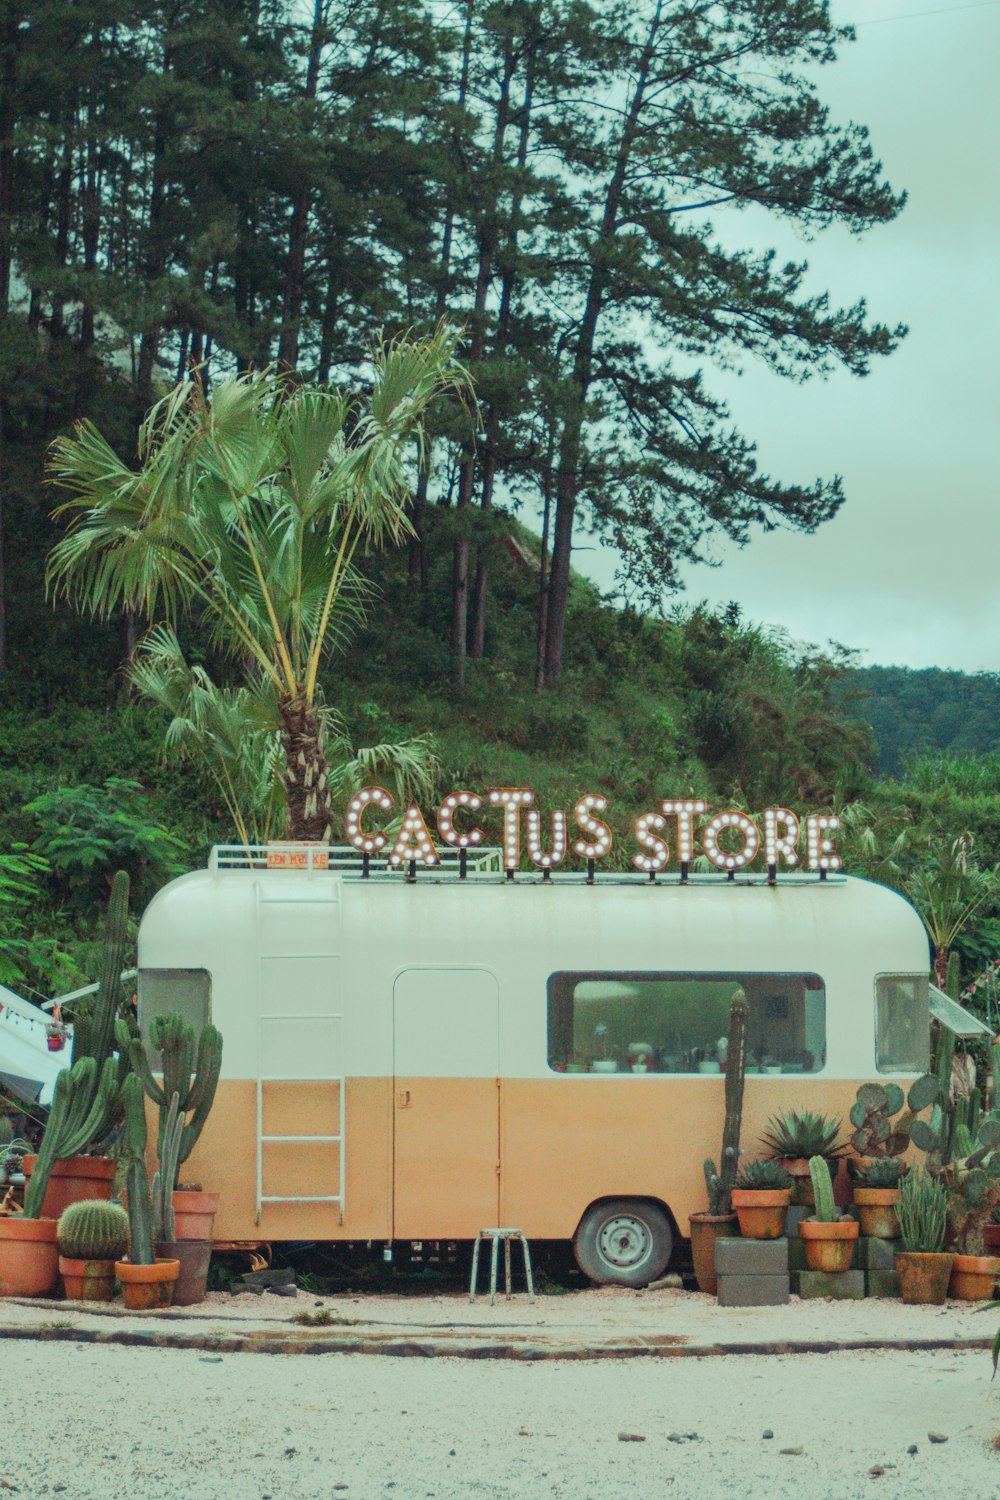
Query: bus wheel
[{"x": 623, "y": 1242}]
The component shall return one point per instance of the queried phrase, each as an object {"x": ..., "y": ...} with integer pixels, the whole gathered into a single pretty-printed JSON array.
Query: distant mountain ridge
[{"x": 929, "y": 708}]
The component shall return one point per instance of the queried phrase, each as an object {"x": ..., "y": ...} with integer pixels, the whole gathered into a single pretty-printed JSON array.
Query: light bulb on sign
[
  {"x": 413, "y": 842},
  {"x": 781, "y": 834},
  {"x": 511, "y": 799},
  {"x": 820, "y": 853},
  {"x": 558, "y": 852},
  {"x": 450, "y": 835},
  {"x": 658, "y": 853},
  {"x": 599, "y": 842},
  {"x": 369, "y": 796},
  {"x": 684, "y": 811},
  {"x": 739, "y": 823}
]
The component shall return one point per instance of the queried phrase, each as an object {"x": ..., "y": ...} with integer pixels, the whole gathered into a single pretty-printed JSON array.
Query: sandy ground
[
  {"x": 91, "y": 1423},
  {"x": 588, "y": 1317}
]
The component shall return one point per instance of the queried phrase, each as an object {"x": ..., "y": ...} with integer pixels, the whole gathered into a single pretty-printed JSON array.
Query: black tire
[{"x": 623, "y": 1242}]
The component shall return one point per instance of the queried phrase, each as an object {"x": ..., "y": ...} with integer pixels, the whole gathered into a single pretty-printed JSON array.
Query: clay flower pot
[
  {"x": 74, "y": 1180},
  {"x": 88, "y": 1280},
  {"x": 829, "y": 1247},
  {"x": 923, "y": 1278},
  {"x": 193, "y": 1257},
  {"x": 147, "y": 1287},
  {"x": 877, "y": 1211},
  {"x": 29, "y": 1256},
  {"x": 705, "y": 1230},
  {"x": 761, "y": 1211},
  {"x": 973, "y": 1277},
  {"x": 991, "y": 1238},
  {"x": 802, "y": 1188},
  {"x": 194, "y": 1214}
]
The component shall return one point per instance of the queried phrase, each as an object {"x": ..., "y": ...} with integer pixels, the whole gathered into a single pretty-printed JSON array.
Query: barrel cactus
[{"x": 93, "y": 1230}]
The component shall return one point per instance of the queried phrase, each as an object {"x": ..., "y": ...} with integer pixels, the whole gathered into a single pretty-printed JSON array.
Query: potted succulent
[
  {"x": 55, "y": 1036},
  {"x": 91, "y": 1236},
  {"x": 603, "y": 1062},
  {"x": 147, "y": 1280},
  {"x": 828, "y": 1236},
  {"x": 794, "y": 1138},
  {"x": 720, "y": 1221},
  {"x": 876, "y": 1189},
  {"x": 761, "y": 1194},
  {"x": 12, "y": 1151},
  {"x": 923, "y": 1267}
]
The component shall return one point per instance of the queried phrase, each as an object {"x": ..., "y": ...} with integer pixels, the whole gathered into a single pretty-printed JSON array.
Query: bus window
[
  {"x": 677, "y": 1023},
  {"x": 902, "y": 1023},
  {"x": 187, "y": 991}
]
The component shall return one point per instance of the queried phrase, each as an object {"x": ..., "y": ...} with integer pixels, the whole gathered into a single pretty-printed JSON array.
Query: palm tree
[
  {"x": 232, "y": 733},
  {"x": 948, "y": 888},
  {"x": 250, "y": 509}
]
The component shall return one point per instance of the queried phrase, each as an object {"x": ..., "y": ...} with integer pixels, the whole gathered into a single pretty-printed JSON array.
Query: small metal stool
[{"x": 495, "y": 1236}]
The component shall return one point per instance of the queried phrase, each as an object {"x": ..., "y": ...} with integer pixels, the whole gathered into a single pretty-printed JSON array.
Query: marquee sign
[{"x": 729, "y": 840}]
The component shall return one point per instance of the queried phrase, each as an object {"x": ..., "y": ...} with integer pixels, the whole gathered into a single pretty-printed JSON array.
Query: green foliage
[
  {"x": 825, "y": 1211},
  {"x": 922, "y": 1210},
  {"x": 761, "y": 1175},
  {"x": 93, "y": 1230},
  {"x": 800, "y": 1134},
  {"x": 87, "y": 832}
]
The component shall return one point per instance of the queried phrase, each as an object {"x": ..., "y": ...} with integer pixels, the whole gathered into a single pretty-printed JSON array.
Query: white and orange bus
[{"x": 415, "y": 1061}]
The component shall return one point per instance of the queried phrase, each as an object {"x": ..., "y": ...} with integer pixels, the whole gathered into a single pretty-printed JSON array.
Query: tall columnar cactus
[
  {"x": 86, "y": 1103},
  {"x": 720, "y": 1183},
  {"x": 953, "y": 979},
  {"x": 93, "y": 1230},
  {"x": 826, "y": 1209},
  {"x": 195, "y": 1089},
  {"x": 166, "y": 1176},
  {"x": 140, "y": 1216}
]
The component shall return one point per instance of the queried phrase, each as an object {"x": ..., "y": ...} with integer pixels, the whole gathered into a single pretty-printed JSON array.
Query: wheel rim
[{"x": 624, "y": 1242}]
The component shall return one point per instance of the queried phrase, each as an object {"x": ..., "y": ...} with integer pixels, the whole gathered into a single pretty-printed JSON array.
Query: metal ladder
[{"x": 339, "y": 1140}]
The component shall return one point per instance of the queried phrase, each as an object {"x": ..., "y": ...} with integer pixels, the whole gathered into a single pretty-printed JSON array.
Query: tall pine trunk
[
  {"x": 291, "y": 311},
  {"x": 307, "y": 788},
  {"x": 571, "y": 449}
]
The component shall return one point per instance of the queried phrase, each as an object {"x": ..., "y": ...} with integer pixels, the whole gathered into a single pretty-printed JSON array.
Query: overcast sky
[{"x": 908, "y": 570}]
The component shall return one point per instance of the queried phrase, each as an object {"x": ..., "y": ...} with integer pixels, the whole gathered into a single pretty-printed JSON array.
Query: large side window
[
  {"x": 677, "y": 1023},
  {"x": 188, "y": 991},
  {"x": 902, "y": 1023}
]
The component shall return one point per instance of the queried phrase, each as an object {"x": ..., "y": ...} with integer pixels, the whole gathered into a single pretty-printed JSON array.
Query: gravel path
[{"x": 129, "y": 1424}]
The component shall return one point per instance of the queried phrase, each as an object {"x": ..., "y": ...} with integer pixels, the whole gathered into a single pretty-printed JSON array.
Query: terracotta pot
[
  {"x": 761, "y": 1211},
  {"x": 193, "y": 1257},
  {"x": 74, "y": 1180},
  {"x": 923, "y": 1278},
  {"x": 802, "y": 1188},
  {"x": 829, "y": 1247},
  {"x": 973, "y": 1277},
  {"x": 705, "y": 1230},
  {"x": 88, "y": 1280},
  {"x": 29, "y": 1256},
  {"x": 194, "y": 1214},
  {"x": 877, "y": 1211},
  {"x": 991, "y": 1238},
  {"x": 147, "y": 1287}
]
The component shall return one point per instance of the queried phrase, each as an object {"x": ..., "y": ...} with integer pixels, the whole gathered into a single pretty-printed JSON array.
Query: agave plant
[
  {"x": 762, "y": 1175},
  {"x": 792, "y": 1136}
]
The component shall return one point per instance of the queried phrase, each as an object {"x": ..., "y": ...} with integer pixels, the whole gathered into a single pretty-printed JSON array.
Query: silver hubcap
[{"x": 624, "y": 1242}]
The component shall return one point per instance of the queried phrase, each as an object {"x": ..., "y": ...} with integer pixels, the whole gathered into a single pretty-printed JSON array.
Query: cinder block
[
  {"x": 751, "y": 1257},
  {"x": 882, "y": 1283},
  {"x": 876, "y": 1255},
  {"x": 796, "y": 1213},
  {"x": 844, "y": 1285},
  {"x": 797, "y": 1255},
  {"x": 753, "y": 1291}
]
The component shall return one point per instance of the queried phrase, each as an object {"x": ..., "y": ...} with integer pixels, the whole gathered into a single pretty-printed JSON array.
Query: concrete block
[
  {"x": 796, "y": 1213},
  {"x": 882, "y": 1284},
  {"x": 739, "y": 1257},
  {"x": 797, "y": 1255},
  {"x": 753, "y": 1291},
  {"x": 844, "y": 1285},
  {"x": 876, "y": 1255}
]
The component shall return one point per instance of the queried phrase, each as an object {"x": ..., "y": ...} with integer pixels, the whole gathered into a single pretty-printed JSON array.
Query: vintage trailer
[{"x": 419, "y": 1060}]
